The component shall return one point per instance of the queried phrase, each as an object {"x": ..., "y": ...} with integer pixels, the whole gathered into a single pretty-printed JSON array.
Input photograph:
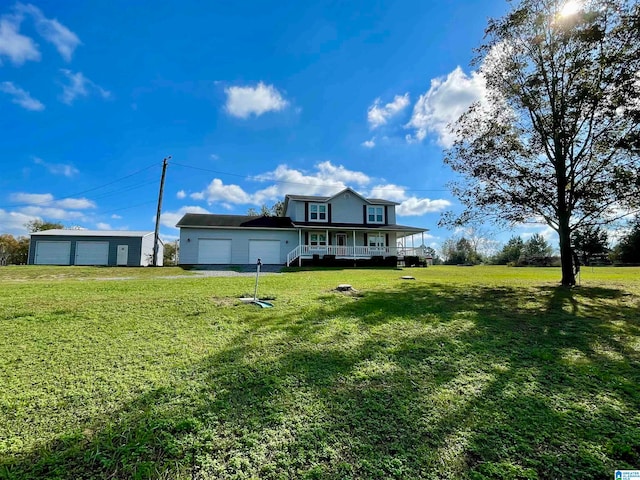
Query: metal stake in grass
[{"x": 255, "y": 290}]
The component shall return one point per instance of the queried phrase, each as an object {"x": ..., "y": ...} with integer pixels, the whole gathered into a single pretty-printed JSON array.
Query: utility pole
[{"x": 154, "y": 262}]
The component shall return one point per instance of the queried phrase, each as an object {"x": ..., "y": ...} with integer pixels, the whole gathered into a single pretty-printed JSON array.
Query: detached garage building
[{"x": 92, "y": 247}]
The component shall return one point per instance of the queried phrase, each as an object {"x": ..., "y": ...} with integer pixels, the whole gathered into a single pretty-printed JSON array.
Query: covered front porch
[{"x": 354, "y": 244}]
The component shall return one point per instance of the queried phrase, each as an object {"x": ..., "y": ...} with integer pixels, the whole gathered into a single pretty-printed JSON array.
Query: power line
[
  {"x": 104, "y": 212},
  {"x": 67, "y": 197}
]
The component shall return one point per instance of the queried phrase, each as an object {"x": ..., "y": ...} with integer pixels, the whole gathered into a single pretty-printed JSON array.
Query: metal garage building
[{"x": 92, "y": 247}]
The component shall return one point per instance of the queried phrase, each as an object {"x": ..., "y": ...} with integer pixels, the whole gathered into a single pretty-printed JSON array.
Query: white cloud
[
  {"x": 327, "y": 179},
  {"x": 409, "y": 205},
  {"x": 392, "y": 192},
  {"x": 369, "y": 143},
  {"x": 75, "y": 203},
  {"x": 32, "y": 198},
  {"x": 51, "y": 212},
  {"x": 115, "y": 216},
  {"x": 217, "y": 191},
  {"x": 169, "y": 219},
  {"x": 379, "y": 115},
  {"x": 244, "y": 101},
  {"x": 181, "y": 194},
  {"x": 47, "y": 200},
  {"x": 17, "y": 47},
  {"x": 21, "y": 97},
  {"x": 79, "y": 86},
  {"x": 444, "y": 102},
  {"x": 53, "y": 31},
  {"x": 103, "y": 226},
  {"x": 57, "y": 168},
  {"x": 414, "y": 206},
  {"x": 14, "y": 222},
  {"x": 213, "y": 156}
]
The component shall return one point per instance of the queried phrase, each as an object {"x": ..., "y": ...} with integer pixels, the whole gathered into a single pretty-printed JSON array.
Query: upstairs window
[
  {"x": 318, "y": 212},
  {"x": 375, "y": 215}
]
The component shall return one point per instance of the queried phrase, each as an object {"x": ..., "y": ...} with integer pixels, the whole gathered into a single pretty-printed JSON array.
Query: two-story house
[{"x": 345, "y": 226}]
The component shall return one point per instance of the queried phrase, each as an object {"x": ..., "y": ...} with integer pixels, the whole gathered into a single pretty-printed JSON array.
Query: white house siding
[
  {"x": 346, "y": 208},
  {"x": 146, "y": 257},
  {"x": 189, "y": 238},
  {"x": 391, "y": 211}
]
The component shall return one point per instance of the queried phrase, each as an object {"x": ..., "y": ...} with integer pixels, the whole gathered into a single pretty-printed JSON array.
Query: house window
[
  {"x": 317, "y": 212},
  {"x": 318, "y": 239},
  {"x": 375, "y": 215},
  {"x": 376, "y": 239}
]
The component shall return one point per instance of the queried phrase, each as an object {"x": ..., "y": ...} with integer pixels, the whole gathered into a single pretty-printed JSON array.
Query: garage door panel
[
  {"x": 52, "y": 253},
  {"x": 214, "y": 251},
  {"x": 268, "y": 251},
  {"x": 92, "y": 253}
]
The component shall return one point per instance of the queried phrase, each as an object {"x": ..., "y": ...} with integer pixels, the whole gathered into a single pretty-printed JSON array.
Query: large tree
[
  {"x": 38, "y": 225},
  {"x": 557, "y": 138}
]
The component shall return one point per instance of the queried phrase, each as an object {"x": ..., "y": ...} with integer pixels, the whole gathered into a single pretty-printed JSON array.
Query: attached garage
[
  {"x": 92, "y": 253},
  {"x": 268, "y": 251},
  {"x": 92, "y": 247},
  {"x": 214, "y": 251},
  {"x": 52, "y": 253},
  {"x": 208, "y": 240}
]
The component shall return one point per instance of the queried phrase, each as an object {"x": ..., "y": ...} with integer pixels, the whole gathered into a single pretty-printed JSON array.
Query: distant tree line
[
  {"x": 276, "y": 210},
  {"x": 590, "y": 245}
]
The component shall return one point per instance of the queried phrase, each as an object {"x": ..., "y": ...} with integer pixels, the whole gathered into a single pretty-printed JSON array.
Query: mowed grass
[{"x": 464, "y": 372}]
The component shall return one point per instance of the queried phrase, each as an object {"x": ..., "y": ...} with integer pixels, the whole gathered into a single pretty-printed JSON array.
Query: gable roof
[
  {"x": 92, "y": 233},
  {"x": 322, "y": 199},
  {"x": 204, "y": 220}
]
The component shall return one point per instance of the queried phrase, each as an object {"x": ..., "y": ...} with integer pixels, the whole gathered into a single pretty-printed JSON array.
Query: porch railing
[{"x": 308, "y": 251}]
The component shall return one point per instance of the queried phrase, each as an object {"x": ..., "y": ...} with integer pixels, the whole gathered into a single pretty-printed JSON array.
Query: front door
[{"x": 341, "y": 242}]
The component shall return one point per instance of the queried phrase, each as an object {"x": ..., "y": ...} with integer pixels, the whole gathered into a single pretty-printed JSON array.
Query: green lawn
[{"x": 465, "y": 372}]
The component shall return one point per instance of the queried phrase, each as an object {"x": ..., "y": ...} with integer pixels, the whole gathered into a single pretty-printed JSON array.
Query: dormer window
[
  {"x": 318, "y": 212},
  {"x": 375, "y": 215}
]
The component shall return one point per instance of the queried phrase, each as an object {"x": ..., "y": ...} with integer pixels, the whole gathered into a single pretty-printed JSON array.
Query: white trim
[
  {"x": 375, "y": 214},
  {"x": 319, "y": 213}
]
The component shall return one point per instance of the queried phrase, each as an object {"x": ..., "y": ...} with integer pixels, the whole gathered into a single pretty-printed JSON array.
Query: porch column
[
  {"x": 299, "y": 245},
  {"x": 354, "y": 244},
  {"x": 326, "y": 237}
]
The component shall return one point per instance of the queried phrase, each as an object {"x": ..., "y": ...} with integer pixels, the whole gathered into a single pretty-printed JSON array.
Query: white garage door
[
  {"x": 216, "y": 252},
  {"x": 266, "y": 250},
  {"x": 92, "y": 253},
  {"x": 52, "y": 253}
]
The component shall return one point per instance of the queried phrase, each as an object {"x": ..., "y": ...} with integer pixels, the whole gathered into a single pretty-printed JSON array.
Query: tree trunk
[{"x": 566, "y": 253}]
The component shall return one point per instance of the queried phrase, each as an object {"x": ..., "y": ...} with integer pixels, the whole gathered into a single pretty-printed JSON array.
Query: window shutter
[
  {"x": 364, "y": 214},
  {"x": 306, "y": 211},
  {"x": 366, "y": 240},
  {"x": 306, "y": 238},
  {"x": 329, "y": 213},
  {"x": 386, "y": 214},
  {"x": 329, "y": 239},
  {"x": 387, "y": 240}
]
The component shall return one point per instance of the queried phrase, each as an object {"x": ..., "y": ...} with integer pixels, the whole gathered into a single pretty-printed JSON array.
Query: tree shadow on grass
[{"x": 432, "y": 381}]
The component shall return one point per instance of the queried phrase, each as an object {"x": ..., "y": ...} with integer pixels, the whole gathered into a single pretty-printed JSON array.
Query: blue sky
[{"x": 252, "y": 101}]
